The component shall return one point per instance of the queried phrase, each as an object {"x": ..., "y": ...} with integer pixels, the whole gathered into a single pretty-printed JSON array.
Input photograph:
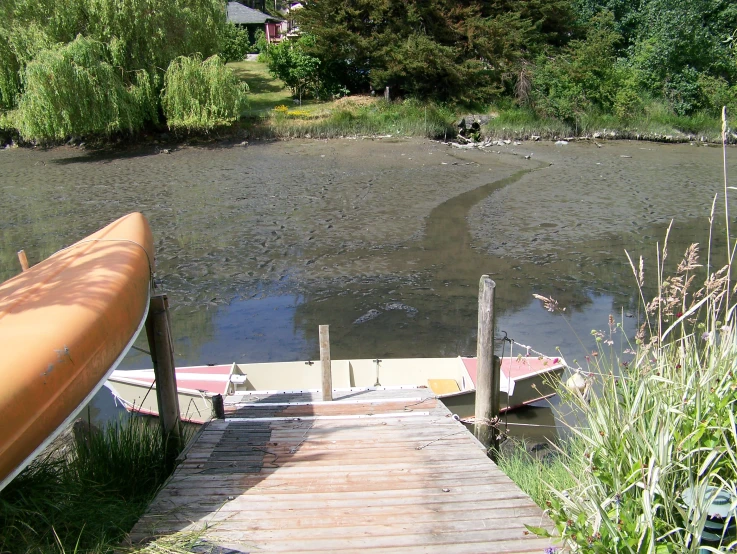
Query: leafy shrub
[
  {"x": 289, "y": 62},
  {"x": 200, "y": 95},
  {"x": 259, "y": 43},
  {"x": 683, "y": 92},
  {"x": 235, "y": 43},
  {"x": 628, "y": 102},
  {"x": 584, "y": 77},
  {"x": 73, "y": 90}
]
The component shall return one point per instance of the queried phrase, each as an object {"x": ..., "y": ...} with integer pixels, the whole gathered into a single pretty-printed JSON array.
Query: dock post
[
  {"x": 327, "y": 375},
  {"x": 23, "y": 260},
  {"x": 158, "y": 331},
  {"x": 487, "y": 372}
]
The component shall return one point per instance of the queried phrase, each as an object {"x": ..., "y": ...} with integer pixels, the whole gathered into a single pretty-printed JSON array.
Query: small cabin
[{"x": 253, "y": 20}]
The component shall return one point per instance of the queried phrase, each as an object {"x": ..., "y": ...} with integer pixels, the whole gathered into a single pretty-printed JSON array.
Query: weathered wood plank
[
  {"x": 256, "y": 519},
  {"x": 498, "y": 540},
  {"x": 413, "y": 480}
]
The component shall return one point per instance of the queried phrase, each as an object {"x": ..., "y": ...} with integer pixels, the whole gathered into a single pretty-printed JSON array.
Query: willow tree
[
  {"x": 73, "y": 90},
  {"x": 201, "y": 94},
  {"x": 95, "y": 66}
]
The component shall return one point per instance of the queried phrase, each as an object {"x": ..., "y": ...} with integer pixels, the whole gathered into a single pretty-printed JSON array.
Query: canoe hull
[{"x": 64, "y": 325}]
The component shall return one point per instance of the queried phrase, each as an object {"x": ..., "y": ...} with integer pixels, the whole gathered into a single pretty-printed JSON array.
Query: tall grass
[
  {"x": 660, "y": 420},
  {"x": 538, "y": 477},
  {"x": 657, "y": 122},
  {"x": 87, "y": 502},
  {"x": 406, "y": 118}
]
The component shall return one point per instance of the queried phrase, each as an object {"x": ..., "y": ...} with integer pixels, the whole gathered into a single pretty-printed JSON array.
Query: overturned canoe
[{"x": 64, "y": 326}]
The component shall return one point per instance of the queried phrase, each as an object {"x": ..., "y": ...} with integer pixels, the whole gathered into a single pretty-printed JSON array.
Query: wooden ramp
[{"x": 376, "y": 471}]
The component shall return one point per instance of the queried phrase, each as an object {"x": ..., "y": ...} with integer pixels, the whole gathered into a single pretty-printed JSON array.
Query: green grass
[
  {"x": 88, "y": 502},
  {"x": 265, "y": 92},
  {"x": 360, "y": 115},
  {"x": 657, "y": 122},
  {"x": 538, "y": 476}
]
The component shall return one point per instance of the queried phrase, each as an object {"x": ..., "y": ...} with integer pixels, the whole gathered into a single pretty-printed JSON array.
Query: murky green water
[{"x": 258, "y": 245}]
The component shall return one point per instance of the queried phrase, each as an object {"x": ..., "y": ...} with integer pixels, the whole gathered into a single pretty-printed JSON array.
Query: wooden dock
[{"x": 374, "y": 470}]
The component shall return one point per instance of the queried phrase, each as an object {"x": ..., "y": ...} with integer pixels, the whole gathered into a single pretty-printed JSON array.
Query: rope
[
  {"x": 141, "y": 350},
  {"x": 439, "y": 439},
  {"x": 530, "y": 349},
  {"x": 406, "y": 408}
]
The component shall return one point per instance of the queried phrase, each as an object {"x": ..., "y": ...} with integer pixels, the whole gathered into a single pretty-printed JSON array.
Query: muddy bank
[{"x": 259, "y": 244}]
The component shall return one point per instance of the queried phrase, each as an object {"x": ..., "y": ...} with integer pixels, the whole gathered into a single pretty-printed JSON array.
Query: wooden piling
[
  {"x": 487, "y": 376},
  {"x": 327, "y": 375},
  {"x": 23, "y": 260},
  {"x": 158, "y": 331}
]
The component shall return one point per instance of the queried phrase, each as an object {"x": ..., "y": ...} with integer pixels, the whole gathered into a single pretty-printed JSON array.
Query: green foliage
[
  {"x": 9, "y": 77},
  {"x": 289, "y": 62},
  {"x": 660, "y": 419},
  {"x": 584, "y": 77},
  {"x": 95, "y": 66},
  {"x": 260, "y": 43},
  {"x": 149, "y": 34},
  {"x": 200, "y": 95},
  {"x": 85, "y": 502},
  {"x": 410, "y": 46},
  {"x": 74, "y": 90},
  {"x": 235, "y": 44},
  {"x": 407, "y": 118},
  {"x": 537, "y": 477}
]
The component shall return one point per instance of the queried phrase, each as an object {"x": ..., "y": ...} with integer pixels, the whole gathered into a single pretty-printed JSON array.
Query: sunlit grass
[
  {"x": 89, "y": 501},
  {"x": 264, "y": 92}
]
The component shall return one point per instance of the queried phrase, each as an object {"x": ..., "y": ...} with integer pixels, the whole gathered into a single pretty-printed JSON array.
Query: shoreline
[{"x": 366, "y": 122}]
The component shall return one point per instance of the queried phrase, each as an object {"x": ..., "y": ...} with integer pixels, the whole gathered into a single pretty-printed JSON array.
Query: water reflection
[{"x": 257, "y": 247}]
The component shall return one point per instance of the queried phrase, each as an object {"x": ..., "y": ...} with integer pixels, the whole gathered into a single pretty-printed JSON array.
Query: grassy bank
[
  {"x": 87, "y": 501},
  {"x": 657, "y": 123},
  {"x": 654, "y": 448},
  {"x": 539, "y": 476},
  {"x": 272, "y": 113},
  {"x": 355, "y": 116}
]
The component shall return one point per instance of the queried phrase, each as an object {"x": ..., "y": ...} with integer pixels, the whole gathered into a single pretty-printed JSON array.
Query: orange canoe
[{"x": 64, "y": 326}]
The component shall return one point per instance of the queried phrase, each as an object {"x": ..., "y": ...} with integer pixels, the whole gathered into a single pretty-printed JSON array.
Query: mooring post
[
  {"x": 487, "y": 371},
  {"x": 23, "y": 260},
  {"x": 158, "y": 331},
  {"x": 327, "y": 371}
]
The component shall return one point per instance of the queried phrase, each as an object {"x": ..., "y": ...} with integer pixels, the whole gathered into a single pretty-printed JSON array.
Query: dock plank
[{"x": 381, "y": 471}]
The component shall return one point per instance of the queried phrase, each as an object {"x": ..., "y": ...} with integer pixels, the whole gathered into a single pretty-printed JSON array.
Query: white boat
[{"x": 523, "y": 380}]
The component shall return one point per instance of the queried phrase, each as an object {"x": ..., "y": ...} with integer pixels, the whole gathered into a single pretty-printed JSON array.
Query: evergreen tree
[{"x": 443, "y": 49}]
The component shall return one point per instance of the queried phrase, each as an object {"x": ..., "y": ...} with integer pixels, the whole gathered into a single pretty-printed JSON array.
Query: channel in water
[{"x": 258, "y": 246}]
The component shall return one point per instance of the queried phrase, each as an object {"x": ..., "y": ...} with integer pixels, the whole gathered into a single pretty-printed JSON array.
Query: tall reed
[{"x": 660, "y": 421}]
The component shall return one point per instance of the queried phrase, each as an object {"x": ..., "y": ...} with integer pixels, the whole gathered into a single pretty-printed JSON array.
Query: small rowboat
[
  {"x": 524, "y": 380},
  {"x": 65, "y": 324}
]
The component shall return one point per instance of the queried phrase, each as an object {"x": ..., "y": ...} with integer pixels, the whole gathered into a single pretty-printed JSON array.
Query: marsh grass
[
  {"x": 538, "y": 476},
  {"x": 87, "y": 502},
  {"x": 359, "y": 118},
  {"x": 661, "y": 417},
  {"x": 657, "y": 122}
]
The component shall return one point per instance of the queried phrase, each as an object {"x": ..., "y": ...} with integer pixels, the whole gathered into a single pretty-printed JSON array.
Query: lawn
[{"x": 265, "y": 92}]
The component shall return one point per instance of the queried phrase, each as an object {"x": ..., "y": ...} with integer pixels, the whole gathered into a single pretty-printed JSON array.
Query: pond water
[{"x": 257, "y": 246}]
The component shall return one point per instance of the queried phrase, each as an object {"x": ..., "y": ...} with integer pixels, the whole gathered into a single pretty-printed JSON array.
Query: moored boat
[
  {"x": 64, "y": 326},
  {"x": 524, "y": 380}
]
